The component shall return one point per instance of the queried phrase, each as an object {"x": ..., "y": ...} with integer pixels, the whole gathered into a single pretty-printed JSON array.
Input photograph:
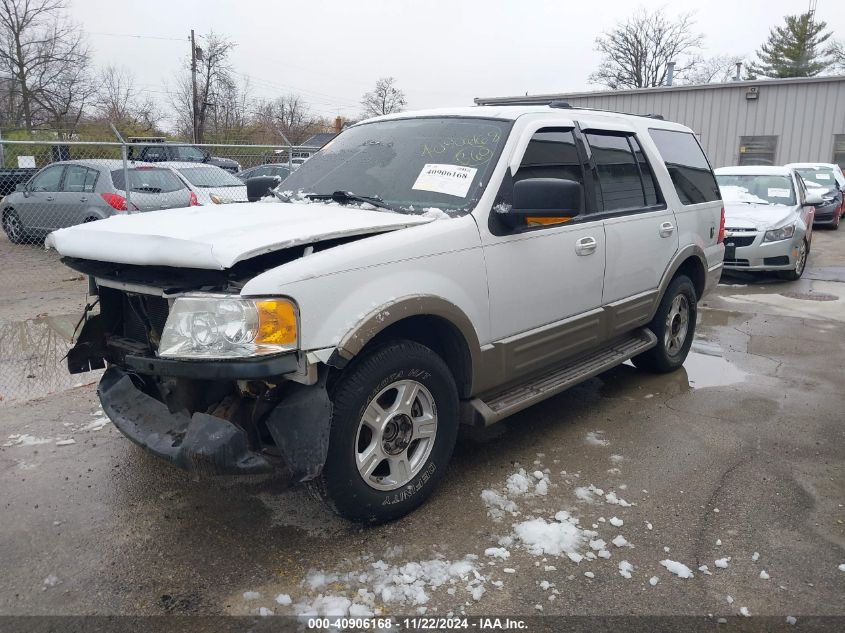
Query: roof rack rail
[{"x": 557, "y": 103}]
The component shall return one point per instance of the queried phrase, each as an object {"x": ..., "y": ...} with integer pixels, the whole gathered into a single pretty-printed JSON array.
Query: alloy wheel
[{"x": 677, "y": 325}]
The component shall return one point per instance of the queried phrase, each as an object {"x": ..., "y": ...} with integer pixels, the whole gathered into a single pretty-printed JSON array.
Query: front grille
[
  {"x": 745, "y": 240},
  {"x": 134, "y": 307}
]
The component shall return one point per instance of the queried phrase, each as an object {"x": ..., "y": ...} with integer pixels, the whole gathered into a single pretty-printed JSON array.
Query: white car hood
[
  {"x": 756, "y": 216},
  {"x": 218, "y": 237}
]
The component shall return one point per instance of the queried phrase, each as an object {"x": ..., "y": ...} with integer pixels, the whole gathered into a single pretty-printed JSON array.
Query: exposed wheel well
[
  {"x": 694, "y": 269},
  {"x": 440, "y": 336}
]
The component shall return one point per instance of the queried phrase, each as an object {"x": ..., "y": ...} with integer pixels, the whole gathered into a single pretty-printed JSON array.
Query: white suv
[{"x": 423, "y": 270}]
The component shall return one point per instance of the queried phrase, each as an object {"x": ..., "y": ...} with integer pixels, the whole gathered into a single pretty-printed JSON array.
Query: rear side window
[
  {"x": 691, "y": 173},
  {"x": 625, "y": 180},
  {"x": 79, "y": 179},
  {"x": 148, "y": 180}
]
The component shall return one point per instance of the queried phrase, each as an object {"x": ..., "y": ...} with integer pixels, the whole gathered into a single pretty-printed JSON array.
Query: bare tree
[
  {"x": 386, "y": 98},
  {"x": 214, "y": 80},
  {"x": 286, "y": 119},
  {"x": 716, "y": 69},
  {"x": 118, "y": 101},
  {"x": 48, "y": 59},
  {"x": 837, "y": 55},
  {"x": 636, "y": 53}
]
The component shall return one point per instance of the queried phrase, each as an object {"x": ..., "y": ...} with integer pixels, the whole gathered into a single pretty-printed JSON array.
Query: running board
[{"x": 584, "y": 366}]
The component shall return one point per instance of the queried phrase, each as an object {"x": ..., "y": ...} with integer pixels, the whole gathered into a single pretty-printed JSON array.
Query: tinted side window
[
  {"x": 687, "y": 165},
  {"x": 619, "y": 185},
  {"x": 47, "y": 180},
  {"x": 154, "y": 153},
  {"x": 145, "y": 180},
  {"x": 551, "y": 154},
  {"x": 650, "y": 189}
]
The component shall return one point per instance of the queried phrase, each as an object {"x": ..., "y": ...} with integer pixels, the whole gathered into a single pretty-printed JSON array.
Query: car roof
[
  {"x": 182, "y": 164},
  {"x": 513, "y": 112},
  {"x": 104, "y": 163},
  {"x": 754, "y": 170}
]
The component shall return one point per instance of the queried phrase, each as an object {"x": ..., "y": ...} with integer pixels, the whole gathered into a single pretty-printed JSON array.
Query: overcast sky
[{"x": 442, "y": 52}]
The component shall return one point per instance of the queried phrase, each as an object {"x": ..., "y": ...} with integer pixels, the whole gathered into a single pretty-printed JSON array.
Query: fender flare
[
  {"x": 691, "y": 250},
  {"x": 402, "y": 308}
]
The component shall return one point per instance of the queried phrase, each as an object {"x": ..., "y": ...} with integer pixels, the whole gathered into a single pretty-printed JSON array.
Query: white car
[
  {"x": 211, "y": 184},
  {"x": 426, "y": 269},
  {"x": 768, "y": 219}
]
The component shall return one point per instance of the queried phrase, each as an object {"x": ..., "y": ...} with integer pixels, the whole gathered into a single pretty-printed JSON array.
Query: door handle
[
  {"x": 586, "y": 246},
  {"x": 84, "y": 199},
  {"x": 50, "y": 198},
  {"x": 666, "y": 229}
]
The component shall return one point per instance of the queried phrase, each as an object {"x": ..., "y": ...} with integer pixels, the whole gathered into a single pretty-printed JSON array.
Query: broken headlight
[{"x": 224, "y": 326}]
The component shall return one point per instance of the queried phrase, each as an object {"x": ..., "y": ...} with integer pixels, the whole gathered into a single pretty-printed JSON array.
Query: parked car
[
  {"x": 159, "y": 151},
  {"x": 77, "y": 191},
  {"x": 450, "y": 266},
  {"x": 210, "y": 184},
  {"x": 831, "y": 181},
  {"x": 281, "y": 171},
  {"x": 769, "y": 216},
  {"x": 11, "y": 178}
]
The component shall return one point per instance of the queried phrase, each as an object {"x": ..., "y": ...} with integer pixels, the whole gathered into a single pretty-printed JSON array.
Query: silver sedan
[{"x": 768, "y": 219}]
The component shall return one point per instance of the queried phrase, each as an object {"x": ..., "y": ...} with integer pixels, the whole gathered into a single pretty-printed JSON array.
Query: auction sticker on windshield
[
  {"x": 778, "y": 193},
  {"x": 452, "y": 180}
]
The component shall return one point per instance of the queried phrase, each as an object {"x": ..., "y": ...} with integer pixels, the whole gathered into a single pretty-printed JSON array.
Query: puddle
[
  {"x": 810, "y": 296},
  {"x": 706, "y": 367},
  {"x": 31, "y": 358}
]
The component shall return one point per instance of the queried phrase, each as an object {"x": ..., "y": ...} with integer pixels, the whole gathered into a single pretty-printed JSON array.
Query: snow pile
[
  {"x": 520, "y": 484},
  {"x": 596, "y": 438},
  {"x": 621, "y": 541},
  {"x": 679, "y": 569},
  {"x": 625, "y": 569},
  {"x": 554, "y": 538},
  {"x": 722, "y": 563},
  {"x": 615, "y": 522},
  {"x": 436, "y": 213},
  {"x": 653, "y": 580},
  {"x": 592, "y": 494},
  {"x": 764, "y": 575},
  {"x": 497, "y": 552},
  {"x": 24, "y": 439},
  {"x": 283, "y": 599},
  {"x": 402, "y": 584}
]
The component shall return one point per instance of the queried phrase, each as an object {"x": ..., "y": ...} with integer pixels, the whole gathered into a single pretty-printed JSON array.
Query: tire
[
  {"x": 365, "y": 398},
  {"x": 674, "y": 327},
  {"x": 835, "y": 225},
  {"x": 13, "y": 227},
  {"x": 800, "y": 264}
]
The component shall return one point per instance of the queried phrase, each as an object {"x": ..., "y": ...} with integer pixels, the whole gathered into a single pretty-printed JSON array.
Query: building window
[
  {"x": 757, "y": 150},
  {"x": 839, "y": 150}
]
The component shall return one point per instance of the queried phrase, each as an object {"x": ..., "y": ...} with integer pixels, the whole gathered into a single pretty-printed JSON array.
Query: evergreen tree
[{"x": 793, "y": 50}]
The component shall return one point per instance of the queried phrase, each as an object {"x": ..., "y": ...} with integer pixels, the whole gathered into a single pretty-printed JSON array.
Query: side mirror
[
  {"x": 21, "y": 186},
  {"x": 546, "y": 198},
  {"x": 260, "y": 186},
  {"x": 813, "y": 198}
]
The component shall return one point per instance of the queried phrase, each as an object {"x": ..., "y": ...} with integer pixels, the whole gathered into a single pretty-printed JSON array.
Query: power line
[{"x": 141, "y": 37}]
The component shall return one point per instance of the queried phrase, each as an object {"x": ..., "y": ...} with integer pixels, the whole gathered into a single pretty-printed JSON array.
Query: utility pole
[{"x": 194, "y": 87}]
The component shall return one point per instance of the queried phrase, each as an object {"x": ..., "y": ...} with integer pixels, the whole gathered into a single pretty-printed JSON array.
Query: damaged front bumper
[{"x": 201, "y": 442}]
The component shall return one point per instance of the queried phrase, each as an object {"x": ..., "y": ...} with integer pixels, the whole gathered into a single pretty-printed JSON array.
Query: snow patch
[
  {"x": 553, "y": 538},
  {"x": 679, "y": 569},
  {"x": 625, "y": 569},
  {"x": 596, "y": 438}
]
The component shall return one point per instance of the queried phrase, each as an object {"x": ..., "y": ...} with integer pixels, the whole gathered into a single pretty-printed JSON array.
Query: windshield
[
  {"x": 822, "y": 176},
  {"x": 148, "y": 180},
  {"x": 410, "y": 164},
  {"x": 209, "y": 176},
  {"x": 756, "y": 189}
]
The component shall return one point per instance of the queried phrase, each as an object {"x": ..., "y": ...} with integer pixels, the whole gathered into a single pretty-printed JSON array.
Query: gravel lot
[{"x": 740, "y": 453}]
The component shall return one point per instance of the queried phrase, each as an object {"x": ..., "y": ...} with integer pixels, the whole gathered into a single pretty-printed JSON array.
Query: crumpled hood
[
  {"x": 756, "y": 216},
  {"x": 216, "y": 237}
]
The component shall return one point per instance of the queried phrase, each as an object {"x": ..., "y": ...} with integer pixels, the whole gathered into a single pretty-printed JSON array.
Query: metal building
[{"x": 763, "y": 122}]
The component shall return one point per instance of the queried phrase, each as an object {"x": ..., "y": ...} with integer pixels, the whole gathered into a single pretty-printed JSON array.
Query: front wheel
[
  {"x": 13, "y": 227},
  {"x": 393, "y": 429},
  {"x": 800, "y": 263},
  {"x": 674, "y": 327}
]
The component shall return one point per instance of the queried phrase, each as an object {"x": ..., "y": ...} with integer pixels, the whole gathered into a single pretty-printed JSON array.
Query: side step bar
[{"x": 584, "y": 366}]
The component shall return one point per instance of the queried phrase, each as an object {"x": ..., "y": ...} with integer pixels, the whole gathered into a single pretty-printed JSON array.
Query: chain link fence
[{"x": 48, "y": 185}]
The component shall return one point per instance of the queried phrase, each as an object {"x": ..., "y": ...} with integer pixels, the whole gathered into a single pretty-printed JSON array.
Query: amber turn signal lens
[{"x": 276, "y": 322}]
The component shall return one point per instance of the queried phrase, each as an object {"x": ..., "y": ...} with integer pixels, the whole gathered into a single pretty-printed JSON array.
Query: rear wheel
[
  {"x": 800, "y": 263},
  {"x": 836, "y": 222},
  {"x": 674, "y": 327},
  {"x": 13, "y": 227},
  {"x": 394, "y": 425}
]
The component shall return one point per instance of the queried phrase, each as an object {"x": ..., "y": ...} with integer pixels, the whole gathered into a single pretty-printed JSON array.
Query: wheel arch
[
  {"x": 431, "y": 321},
  {"x": 689, "y": 261}
]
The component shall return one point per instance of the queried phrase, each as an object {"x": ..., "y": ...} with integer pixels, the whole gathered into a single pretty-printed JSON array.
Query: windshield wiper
[{"x": 347, "y": 196}]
